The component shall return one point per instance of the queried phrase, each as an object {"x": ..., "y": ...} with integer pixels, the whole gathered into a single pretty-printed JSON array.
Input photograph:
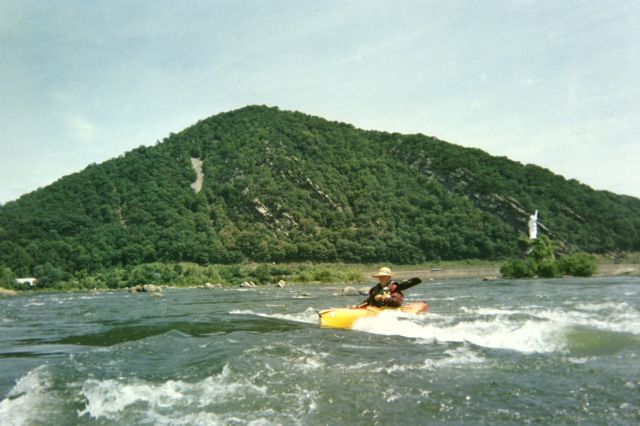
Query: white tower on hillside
[{"x": 533, "y": 226}]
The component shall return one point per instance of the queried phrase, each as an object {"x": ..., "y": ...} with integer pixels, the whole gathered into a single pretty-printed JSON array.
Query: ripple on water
[{"x": 485, "y": 354}]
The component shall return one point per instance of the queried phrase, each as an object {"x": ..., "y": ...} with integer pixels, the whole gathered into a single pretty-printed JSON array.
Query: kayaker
[{"x": 386, "y": 292}]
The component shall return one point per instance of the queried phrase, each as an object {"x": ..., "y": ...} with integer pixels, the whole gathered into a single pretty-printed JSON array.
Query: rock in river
[
  {"x": 348, "y": 291},
  {"x": 7, "y": 293}
]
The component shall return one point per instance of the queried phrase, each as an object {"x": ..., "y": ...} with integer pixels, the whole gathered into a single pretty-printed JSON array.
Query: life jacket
[{"x": 385, "y": 291}]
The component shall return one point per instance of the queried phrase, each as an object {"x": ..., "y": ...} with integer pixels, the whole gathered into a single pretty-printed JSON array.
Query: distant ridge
[{"x": 285, "y": 186}]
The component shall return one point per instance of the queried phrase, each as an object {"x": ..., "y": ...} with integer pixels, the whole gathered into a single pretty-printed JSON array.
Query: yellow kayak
[{"x": 345, "y": 317}]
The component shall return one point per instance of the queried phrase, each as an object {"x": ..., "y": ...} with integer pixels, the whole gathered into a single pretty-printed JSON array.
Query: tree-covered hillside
[{"x": 285, "y": 186}]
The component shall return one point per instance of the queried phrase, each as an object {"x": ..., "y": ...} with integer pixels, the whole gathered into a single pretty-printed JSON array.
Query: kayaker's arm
[
  {"x": 373, "y": 291},
  {"x": 395, "y": 299}
]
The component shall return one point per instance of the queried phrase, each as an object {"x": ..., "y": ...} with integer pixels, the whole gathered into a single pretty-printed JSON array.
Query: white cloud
[
  {"x": 530, "y": 80},
  {"x": 81, "y": 129}
]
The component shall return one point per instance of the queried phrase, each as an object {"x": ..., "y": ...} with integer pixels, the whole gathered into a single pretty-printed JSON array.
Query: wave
[
  {"x": 230, "y": 397},
  {"x": 217, "y": 399},
  {"x": 531, "y": 329},
  {"x": 530, "y": 336},
  {"x": 461, "y": 357},
  {"x": 106, "y": 399},
  {"x": 29, "y": 391},
  {"x": 606, "y": 316},
  {"x": 309, "y": 316}
]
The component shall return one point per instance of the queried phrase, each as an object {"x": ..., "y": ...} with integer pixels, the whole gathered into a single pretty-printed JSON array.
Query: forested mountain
[{"x": 285, "y": 186}]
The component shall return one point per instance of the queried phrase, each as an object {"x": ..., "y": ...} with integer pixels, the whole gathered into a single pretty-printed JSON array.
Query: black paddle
[
  {"x": 401, "y": 286},
  {"x": 409, "y": 283}
]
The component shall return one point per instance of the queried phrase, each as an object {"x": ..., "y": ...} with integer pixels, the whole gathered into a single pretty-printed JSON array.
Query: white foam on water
[
  {"x": 495, "y": 311},
  {"x": 307, "y": 359},
  {"x": 432, "y": 316},
  {"x": 527, "y": 329},
  {"x": 391, "y": 394},
  {"x": 242, "y": 312},
  {"x": 623, "y": 319},
  {"x": 226, "y": 398},
  {"x": 611, "y": 316},
  {"x": 461, "y": 357},
  {"x": 449, "y": 298},
  {"x": 581, "y": 360},
  {"x": 364, "y": 366},
  {"x": 107, "y": 399},
  {"x": 499, "y": 332},
  {"x": 90, "y": 297},
  {"x": 258, "y": 422},
  {"x": 201, "y": 419},
  {"x": 604, "y": 306},
  {"x": 300, "y": 358},
  {"x": 545, "y": 328},
  {"x": 204, "y": 419},
  {"x": 309, "y": 316},
  {"x": 24, "y": 402}
]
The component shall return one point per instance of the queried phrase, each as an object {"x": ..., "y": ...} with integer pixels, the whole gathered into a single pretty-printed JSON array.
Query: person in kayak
[{"x": 386, "y": 292}]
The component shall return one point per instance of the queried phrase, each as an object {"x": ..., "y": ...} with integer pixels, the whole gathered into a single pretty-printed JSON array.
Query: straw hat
[{"x": 383, "y": 272}]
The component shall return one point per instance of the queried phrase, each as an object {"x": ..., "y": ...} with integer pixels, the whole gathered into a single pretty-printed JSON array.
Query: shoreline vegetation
[{"x": 189, "y": 275}]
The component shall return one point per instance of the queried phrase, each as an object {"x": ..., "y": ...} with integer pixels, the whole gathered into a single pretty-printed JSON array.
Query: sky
[{"x": 552, "y": 83}]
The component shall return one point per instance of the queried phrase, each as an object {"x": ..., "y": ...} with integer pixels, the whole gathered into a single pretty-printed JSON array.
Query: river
[{"x": 563, "y": 351}]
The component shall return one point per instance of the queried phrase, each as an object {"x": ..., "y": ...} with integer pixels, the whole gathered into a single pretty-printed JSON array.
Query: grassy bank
[{"x": 192, "y": 275}]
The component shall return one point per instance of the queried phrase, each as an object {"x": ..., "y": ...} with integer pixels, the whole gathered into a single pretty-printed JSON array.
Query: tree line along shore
[{"x": 193, "y": 275}]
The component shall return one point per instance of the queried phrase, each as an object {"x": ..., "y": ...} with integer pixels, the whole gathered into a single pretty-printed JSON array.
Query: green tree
[
  {"x": 542, "y": 249},
  {"x": 7, "y": 277},
  {"x": 547, "y": 268},
  {"x": 518, "y": 268},
  {"x": 578, "y": 265},
  {"x": 49, "y": 276}
]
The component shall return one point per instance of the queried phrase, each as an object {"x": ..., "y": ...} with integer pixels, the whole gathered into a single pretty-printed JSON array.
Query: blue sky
[{"x": 554, "y": 83}]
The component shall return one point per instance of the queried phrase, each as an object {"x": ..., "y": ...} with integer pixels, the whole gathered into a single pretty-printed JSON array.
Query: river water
[{"x": 563, "y": 351}]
